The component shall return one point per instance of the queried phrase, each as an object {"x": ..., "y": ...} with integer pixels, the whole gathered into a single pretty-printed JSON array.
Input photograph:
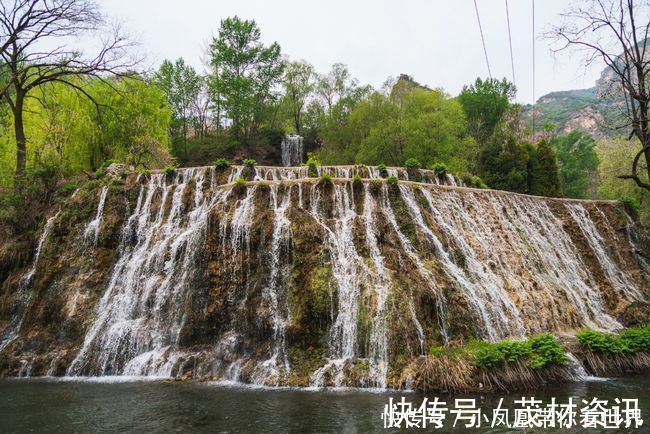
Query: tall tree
[
  {"x": 298, "y": 84},
  {"x": 247, "y": 72},
  {"x": 616, "y": 32},
  {"x": 36, "y": 38},
  {"x": 576, "y": 154},
  {"x": 485, "y": 104},
  {"x": 543, "y": 171},
  {"x": 183, "y": 86}
]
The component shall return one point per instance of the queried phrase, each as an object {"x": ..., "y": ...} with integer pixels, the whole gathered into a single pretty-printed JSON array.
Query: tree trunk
[{"x": 21, "y": 142}]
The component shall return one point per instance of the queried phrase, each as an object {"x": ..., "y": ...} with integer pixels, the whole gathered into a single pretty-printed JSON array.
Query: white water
[
  {"x": 12, "y": 331},
  {"x": 347, "y": 267},
  {"x": 91, "y": 232},
  {"x": 140, "y": 316},
  {"x": 508, "y": 257},
  {"x": 379, "y": 334},
  {"x": 292, "y": 150},
  {"x": 275, "y": 291}
]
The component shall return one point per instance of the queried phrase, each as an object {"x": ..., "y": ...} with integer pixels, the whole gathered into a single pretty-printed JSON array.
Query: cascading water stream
[
  {"x": 379, "y": 332},
  {"x": 615, "y": 276},
  {"x": 141, "y": 314},
  {"x": 427, "y": 275},
  {"x": 347, "y": 268},
  {"x": 12, "y": 331},
  {"x": 271, "y": 369},
  {"x": 91, "y": 232},
  {"x": 292, "y": 150}
]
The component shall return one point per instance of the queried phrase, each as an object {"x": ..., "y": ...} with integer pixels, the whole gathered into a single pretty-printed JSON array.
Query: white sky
[{"x": 435, "y": 41}]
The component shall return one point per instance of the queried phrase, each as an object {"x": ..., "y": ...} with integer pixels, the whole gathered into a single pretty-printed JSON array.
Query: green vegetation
[
  {"x": 169, "y": 170},
  {"x": 249, "y": 163},
  {"x": 312, "y": 163},
  {"x": 356, "y": 179},
  {"x": 392, "y": 180},
  {"x": 440, "y": 169},
  {"x": 629, "y": 341},
  {"x": 326, "y": 179},
  {"x": 538, "y": 351},
  {"x": 578, "y": 161},
  {"x": 240, "y": 182},
  {"x": 221, "y": 163},
  {"x": 412, "y": 163},
  {"x": 383, "y": 171}
]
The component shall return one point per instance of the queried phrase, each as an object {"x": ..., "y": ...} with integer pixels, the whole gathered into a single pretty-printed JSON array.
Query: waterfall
[
  {"x": 275, "y": 291},
  {"x": 292, "y": 150},
  {"x": 141, "y": 314},
  {"x": 346, "y": 268},
  {"x": 92, "y": 229},
  {"x": 492, "y": 306},
  {"x": 615, "y": 276},
  {"x": 12, "y": 331},
  {"x": 427, "y": 275},
  {"x": 379, "y": 331},
  {"x": 206, "y": 280}
]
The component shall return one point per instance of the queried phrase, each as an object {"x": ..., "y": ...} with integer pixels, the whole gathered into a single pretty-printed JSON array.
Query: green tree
[
  {"x": 37, "y": 40},
  {"x": 504, "y": 163},
  {"x": 543, "y": 170},
  {"x": 182, "y": 86},
  {"x": 246, "y": 73},
  {"x": 614, "y": 155},
  {"x": 576, "y": 154},
  {"x": 485, "y": 104},
  {"x": 298, "y": 85}
]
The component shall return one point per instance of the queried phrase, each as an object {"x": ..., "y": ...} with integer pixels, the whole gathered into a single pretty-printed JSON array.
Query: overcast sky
[{"x": 435, "y": 41}]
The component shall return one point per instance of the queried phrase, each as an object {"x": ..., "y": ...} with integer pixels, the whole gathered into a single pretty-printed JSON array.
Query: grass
[{"x": 392, "y": 180}]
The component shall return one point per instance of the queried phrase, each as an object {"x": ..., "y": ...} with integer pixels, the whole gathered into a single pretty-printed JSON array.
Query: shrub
[
  {"x": 477, "y": 182},
  {"x": 326, "y": 179},
  {"x": 68, "y": 187},
  {"x": 546, "y": 350},
  {"x": 221, "y": 163},
  {"x": 356, "y": 178},
  {"x": 240, "y": 182},
  {"x": 375, "y": 185},
  {"x": 412, "y": 163},
  {"x": 392, "y": 180},
  {"x": 629, "y": 341},
  {"x": 440, "y": 169},
  {"x": 248, "y": 162},
  {"x": 107, "y": 163},
  {"x": 541, "y": 350},
  {"x": 170, "y": 170},
  {"x": 383, "y": 171},
  {"x": 436, "y": 351},
  {"x": 312, "y": 163}
]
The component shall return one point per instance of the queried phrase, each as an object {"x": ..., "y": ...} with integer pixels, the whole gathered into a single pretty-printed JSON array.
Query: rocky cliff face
[{"x": 290, "y": 280}]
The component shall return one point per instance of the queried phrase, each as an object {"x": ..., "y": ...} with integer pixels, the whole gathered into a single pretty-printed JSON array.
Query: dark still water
[{"x": 87, "y": 406}]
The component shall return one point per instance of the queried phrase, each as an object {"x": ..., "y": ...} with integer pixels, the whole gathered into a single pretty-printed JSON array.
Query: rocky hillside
[
  {"x": 592, "y": 110},
  {"x": 272, "y": 276}
]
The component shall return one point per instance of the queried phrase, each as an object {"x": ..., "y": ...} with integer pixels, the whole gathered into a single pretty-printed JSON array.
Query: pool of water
[{"x": 49, "y": 405}]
